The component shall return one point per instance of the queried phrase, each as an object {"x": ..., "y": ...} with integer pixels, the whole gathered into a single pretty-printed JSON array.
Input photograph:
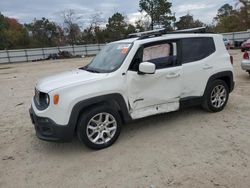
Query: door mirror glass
[{"x": 147, "y": 68}]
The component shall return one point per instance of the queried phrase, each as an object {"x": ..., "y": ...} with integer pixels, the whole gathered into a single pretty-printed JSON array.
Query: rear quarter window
[{"x": 195, "y": 49}]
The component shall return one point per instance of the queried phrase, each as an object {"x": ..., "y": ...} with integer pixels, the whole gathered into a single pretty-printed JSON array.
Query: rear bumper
[
  {"x": 48, "y": 130},
  {"x": 245, "y": 65},
  {"x": 245, "y": 49}
]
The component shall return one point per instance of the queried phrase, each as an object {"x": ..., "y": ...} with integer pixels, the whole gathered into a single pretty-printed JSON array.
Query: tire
[
  {"x": 216, "y": 97},
  {"x": 99, "y": 127}
]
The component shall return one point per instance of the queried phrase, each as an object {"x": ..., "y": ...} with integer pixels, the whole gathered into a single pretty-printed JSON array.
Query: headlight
[
  {"x": 44, "y": 99},
  {"x": 41, "y": 99},
  {"x": 47, "y": 99}
]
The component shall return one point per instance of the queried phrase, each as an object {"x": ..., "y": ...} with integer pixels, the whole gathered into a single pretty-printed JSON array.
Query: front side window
[
  {"x": 195, "y": 49},
  {"x": 163, "y": 55},
  {"x": 110, "y": 58}
]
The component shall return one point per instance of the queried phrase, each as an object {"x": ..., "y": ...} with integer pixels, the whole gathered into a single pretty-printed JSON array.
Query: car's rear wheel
[
  {"x": 216, "y": 97},
  {"x": 99, "y": 127}
]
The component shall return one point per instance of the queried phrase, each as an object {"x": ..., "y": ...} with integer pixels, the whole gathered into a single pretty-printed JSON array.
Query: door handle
[
  {"x": 206, "y": 67},
  {"x": 173, "y": 75}
]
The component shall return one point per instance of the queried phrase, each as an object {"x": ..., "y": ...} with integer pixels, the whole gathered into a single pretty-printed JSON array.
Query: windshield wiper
[{"x": 90, "y": 70}]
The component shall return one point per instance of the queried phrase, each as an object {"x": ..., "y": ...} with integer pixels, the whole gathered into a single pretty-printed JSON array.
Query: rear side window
[{"x": 195, "y": 49}]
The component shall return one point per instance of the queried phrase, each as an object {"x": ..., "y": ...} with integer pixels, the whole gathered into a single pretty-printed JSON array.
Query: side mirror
[{"x": 146, "y": 68}]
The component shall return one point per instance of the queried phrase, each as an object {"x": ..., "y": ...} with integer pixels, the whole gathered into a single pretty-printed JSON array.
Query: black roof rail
[
  {"x": 191, "y": 30},
  {"x": 163, "y": 31},
  {"x": 148, "y": 34}
]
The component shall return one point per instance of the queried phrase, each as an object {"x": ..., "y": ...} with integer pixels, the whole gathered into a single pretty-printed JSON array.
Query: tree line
[
  {"x": 231, "y": 19},
  {"x": 45, "y": 33}
]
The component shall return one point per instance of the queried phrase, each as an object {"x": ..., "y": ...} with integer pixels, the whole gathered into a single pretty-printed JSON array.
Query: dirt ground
[{"x": 189, "y": 148}]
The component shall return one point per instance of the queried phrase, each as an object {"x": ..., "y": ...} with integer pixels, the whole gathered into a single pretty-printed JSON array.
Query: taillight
[
  {"x": 246, "y": 55},
  {"x": 231, "y": 59}
]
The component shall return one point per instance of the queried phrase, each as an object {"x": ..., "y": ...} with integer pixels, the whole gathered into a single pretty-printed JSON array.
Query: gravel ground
[{"x": 189, "y": 148}]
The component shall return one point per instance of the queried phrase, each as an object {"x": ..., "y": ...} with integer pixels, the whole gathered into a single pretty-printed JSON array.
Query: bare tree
[
  {"x": 96, "y": 20},
  {"x": 94, "y": 32},
  {"x": 244, "y": 2},
  {"x": 70, "y": 25}
]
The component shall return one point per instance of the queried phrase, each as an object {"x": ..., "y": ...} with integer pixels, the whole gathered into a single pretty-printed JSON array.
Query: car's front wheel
[
  {"x": 99, "y": 127},
  {"x": 216, "y": 97}
]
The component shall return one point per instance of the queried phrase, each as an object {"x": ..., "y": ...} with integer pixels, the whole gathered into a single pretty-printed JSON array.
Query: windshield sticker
[{"x": 124, "y": 50}]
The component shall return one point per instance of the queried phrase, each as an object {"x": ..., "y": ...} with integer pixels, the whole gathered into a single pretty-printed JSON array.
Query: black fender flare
[
  {"x": 226, "y": 76},
  {"x": 116, "y": 100}
]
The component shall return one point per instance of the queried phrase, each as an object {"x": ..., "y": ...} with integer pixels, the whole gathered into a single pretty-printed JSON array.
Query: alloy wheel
[
  {"x": 101, "y": 128},
  {"x": 218, "y": 96}
]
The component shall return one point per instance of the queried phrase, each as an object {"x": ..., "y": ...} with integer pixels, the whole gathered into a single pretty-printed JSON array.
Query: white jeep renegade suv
[{"x": 132, "y": 79}]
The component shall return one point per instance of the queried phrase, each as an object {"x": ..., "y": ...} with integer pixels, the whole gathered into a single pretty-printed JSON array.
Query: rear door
[{"x": 197, "y": 62}]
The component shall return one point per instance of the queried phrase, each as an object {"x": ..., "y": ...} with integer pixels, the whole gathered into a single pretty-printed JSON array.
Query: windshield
[{"x": 110, "y": 58}]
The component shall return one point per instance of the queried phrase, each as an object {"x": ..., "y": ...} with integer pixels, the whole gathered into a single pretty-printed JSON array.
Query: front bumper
[{"x": 48, "y": 130}]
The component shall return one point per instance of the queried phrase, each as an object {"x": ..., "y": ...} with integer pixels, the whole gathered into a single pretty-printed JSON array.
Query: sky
[{"x": 26, "y": 10}]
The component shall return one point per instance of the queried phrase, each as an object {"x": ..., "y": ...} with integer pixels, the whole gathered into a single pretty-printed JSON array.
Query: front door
[{"x": 156, "y": 93}]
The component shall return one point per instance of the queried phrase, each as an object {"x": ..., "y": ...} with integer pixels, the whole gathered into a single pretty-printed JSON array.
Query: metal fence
[
  {"x": 237, "y": 37},
  {"x": 22, "y": 55},
  {"x": 25, "y": 55}
]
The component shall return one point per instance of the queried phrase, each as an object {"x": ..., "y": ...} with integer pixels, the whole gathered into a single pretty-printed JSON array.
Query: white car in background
[{"x": 228, "y": 43}]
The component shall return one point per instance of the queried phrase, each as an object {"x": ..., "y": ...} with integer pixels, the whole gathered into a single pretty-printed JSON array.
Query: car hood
[{"x": 68, "y": 78}]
